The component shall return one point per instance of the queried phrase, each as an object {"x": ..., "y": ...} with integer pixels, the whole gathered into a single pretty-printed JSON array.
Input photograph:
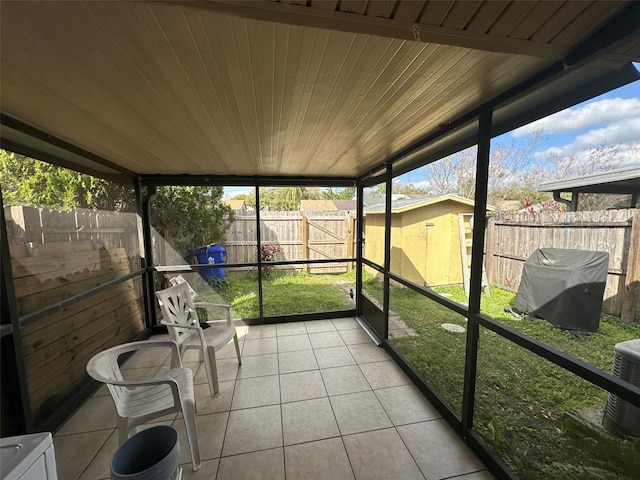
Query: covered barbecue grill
[{"x": 564, "y": 287}]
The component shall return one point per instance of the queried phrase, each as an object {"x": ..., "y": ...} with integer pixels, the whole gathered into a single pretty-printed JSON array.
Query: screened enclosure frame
[
  {"x": 546, "y": 92},
  {"x": 462, "y": 424}
]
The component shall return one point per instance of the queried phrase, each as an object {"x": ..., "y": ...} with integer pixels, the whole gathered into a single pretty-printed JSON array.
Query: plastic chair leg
[
  {"x": 235, "y": 340},
  {"x": 189, "y": 415},
  {"x": 123, "y": 429},
  {"x": 211, "y": 367}
]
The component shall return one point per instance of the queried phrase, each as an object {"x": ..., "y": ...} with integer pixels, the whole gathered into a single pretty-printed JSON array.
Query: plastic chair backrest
[{"x": 178, "y": 309}]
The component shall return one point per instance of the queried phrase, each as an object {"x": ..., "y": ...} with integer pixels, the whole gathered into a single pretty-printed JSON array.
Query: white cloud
[
  {"x": 603, "y": 112},
  {"x": 623, "y": 135}
]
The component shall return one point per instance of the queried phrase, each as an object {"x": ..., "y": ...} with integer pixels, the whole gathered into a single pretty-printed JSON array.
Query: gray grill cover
[{"x": 564, "y": 287}]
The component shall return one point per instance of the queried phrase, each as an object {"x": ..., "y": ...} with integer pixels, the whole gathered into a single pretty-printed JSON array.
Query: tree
[
  {"x": 29, "y": 182},
  {"x": 515, "y": 173},
  {"x": 286, "y": 198},
  {"x": 191, "y": 216},
  {"x": 346, "y": 193},
  {"x": 456, "y": 174}
]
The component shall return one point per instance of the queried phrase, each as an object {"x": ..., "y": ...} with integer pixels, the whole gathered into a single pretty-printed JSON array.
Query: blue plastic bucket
[{"x": 151, "y": 454}]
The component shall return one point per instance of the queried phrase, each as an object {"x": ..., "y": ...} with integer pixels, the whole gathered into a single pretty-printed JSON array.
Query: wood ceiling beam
[{"x": 349, "y": 22}]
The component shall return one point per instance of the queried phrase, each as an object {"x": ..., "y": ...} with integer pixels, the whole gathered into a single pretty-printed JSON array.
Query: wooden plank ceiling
[{"x": 304, "y": 88}]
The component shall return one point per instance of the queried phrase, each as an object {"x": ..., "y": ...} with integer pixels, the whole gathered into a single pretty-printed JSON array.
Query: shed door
[{"x": 438, "y": 232}]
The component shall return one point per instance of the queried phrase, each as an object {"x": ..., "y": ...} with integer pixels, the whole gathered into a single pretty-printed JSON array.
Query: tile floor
[{"x": 312, "y": 400}]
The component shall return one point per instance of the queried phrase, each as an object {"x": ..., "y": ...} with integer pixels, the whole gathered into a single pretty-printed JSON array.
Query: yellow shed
[{"x": 425, "y": 238}]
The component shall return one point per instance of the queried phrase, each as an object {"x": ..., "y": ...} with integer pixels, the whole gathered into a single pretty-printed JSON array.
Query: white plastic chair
[
  {"x": 181, "y": 319},
  {"x": 139, "y": 401}
]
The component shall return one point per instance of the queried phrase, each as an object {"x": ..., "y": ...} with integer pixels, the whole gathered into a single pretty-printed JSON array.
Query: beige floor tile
[
  {"x": 368, "y": 352},
  {"x": 355, "y": 336},
  {"x": 292, "y": 343},
  {"x": 380, "y": 455},
  {"x": 100, "y": 466},
  {"x": 301, "y": 386},
  {"x": 341, "y": 380},
  {"x": 406, "y": 404},
  {"x": 345, "y": 323},
  {"x": 291, "y": 328},
  {"x": 334, "y": 357},
  {"x": 190, "y": 356},
  {"x": 260, "y": 331},
  {"x": 205, "y": 403},
  {"x": 262, "y": 465},
  {"x": 211, "y": 429},
  {"x": 97, "y": 413},
  {"x": 229, "y": 350},
  {"x": 241, "y": 329},
  {"x": 260, "y": 346},
  {"x": 308, "y": 420},
  {"x": 258, "y": 366},
  {"x": 359, "y": 412},
  {"x": 384, "y": 374},
  {"x": 299, "y": 361},
  {"x": 227, "y": 370},
  {"x": 253, "y": 429},
  {"x": 326, "y": 339},
  {"x": 74, "y": 453},
  {"x": 316, "y": 326},
  {"x": 256, "y": 392},
  {"x": 322, "y": 460},
  {"x": 207, "y": 470},
  {"x": 437, "y": 450}
]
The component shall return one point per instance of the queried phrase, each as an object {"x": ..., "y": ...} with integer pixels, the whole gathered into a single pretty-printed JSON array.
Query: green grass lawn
[{"x": 284, "y": 293}]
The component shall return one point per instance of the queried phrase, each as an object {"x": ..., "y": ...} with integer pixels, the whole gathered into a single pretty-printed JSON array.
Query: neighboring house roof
[
  {"x": 371, "y": 199},
  {"x": 625, "y": 180},
  {"x": 405, "y": 204},
  {"x": 345, "y": 204},
  {"x": 236, "y": 204},
  {"x": 317, "y": 205}
]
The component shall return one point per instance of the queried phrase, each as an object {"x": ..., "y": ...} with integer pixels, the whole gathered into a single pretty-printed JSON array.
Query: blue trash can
[{"x": 213, "y": 255}]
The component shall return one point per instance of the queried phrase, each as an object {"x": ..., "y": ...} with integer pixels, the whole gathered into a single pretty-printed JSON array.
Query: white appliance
[{"x": 28, "y": 457}]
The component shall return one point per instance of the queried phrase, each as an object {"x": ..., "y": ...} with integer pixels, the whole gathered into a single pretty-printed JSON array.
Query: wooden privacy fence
[
  {"x": 512, "y": 237},
  {"x": 56, "y": 256},
  {"x": 300, "y": 235}
]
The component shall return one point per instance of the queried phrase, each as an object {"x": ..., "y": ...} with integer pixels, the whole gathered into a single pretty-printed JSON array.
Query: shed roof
[
  {"x": 625, "y": 180},
  {"x": 320, "y": 89},
  {"x": 406, "y": 204}
]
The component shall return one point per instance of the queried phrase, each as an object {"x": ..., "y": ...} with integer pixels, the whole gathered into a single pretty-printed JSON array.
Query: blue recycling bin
[{"x": 213, "y": 255}]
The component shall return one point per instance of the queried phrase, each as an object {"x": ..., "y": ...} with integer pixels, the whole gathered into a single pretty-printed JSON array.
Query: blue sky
[{"x": 610, "y": 119}]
